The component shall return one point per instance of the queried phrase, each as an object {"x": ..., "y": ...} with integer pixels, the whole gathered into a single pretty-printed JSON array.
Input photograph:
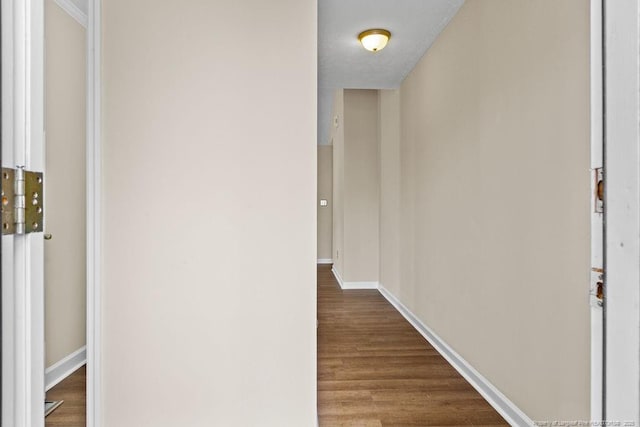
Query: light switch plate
[{"x": 323, "y": 203}]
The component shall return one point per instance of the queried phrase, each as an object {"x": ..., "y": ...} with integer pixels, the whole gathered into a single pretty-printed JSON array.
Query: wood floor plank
[
  {"x": 375, "y": 369},
  {"x": 73, "y": 411}
]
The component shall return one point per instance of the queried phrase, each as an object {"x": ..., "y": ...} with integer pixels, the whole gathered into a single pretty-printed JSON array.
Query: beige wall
[
  {"x": 325, "y": 191},
  {"x": 356, "y": 190},
  {"x": 494, "y": 198},
  {"x": 361, "y": 186},
  {"x": 65, "y": 259},
  {"x": 389, "y": 128},
  {"x": 337, "y": 139},
  {"x": 209, "y": 287}
]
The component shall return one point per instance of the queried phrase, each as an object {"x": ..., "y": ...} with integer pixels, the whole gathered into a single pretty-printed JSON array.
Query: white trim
[
  {"x": 511, "y": 413},
  {"x": 597, "y": 225},
  {"x": 60, "y": 370},
  {"x": 73, "y": 10},
  {"x": 94, "y": 215},
  {"x": 9, "y": 358},
  {"x": 34, "y": 244},
  {"x": 325, "y": 261},
  {"x": 337, "y": 275},
  {"x": 352, "y": 285},
  {"x": 22, "y": 269},
  {"x": 622, "y": 211},
  {"x": 359, "y": 285}
]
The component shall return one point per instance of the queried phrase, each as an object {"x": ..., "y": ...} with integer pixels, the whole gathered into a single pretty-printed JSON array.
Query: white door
[
  {"x": 22, "y": 255},
  {"x": 622, "y": 211},
  {"x": 597, "y": 215}
]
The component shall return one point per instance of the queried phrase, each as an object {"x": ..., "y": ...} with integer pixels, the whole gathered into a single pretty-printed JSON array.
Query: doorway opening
[{"x": 65, "y": 75}]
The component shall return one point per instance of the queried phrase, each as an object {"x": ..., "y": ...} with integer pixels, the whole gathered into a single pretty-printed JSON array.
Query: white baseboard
[
  {"x": 325, "y": 261},
  {"x": 511, "y": 413},
  {"x": 337, "y": 276},
  {"x": 65, "y": 367},
  {"x": 360, "y": 285},
  {"x": 352, "y": 285}
]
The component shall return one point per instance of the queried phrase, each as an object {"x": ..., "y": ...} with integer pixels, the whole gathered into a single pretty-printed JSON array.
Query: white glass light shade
[{"x": 374, "y": 40}]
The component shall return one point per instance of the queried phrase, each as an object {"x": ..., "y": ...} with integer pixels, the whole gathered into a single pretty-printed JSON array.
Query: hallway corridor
[{"x": 375, "y": 369}]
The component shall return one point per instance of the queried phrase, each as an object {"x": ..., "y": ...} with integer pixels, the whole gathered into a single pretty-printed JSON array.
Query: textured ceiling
[{"x": 343, "y": 63}]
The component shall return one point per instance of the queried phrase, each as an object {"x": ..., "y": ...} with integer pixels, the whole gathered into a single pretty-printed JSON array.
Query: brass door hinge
[
  {"x": 22, "y": 201},
  {"x": 597, "y": 286},
  {"x": 598, "y": 193}
]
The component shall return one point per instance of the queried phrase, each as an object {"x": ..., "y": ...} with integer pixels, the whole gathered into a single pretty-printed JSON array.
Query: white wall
[
  {"x": 325, "y": 191},
  {"x": 209, "y": 287},
  {"x": 65, "y": 117},
  {"x": 493, "y": 209}
]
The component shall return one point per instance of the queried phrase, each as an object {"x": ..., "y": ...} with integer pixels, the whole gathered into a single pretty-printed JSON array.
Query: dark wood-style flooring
[
  {"x": 73, "y": 411},
  {"x": 375, "y": 369}
]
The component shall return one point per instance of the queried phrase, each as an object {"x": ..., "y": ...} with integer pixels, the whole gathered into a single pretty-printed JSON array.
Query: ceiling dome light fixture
[{"x": 375, "y": 39}]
